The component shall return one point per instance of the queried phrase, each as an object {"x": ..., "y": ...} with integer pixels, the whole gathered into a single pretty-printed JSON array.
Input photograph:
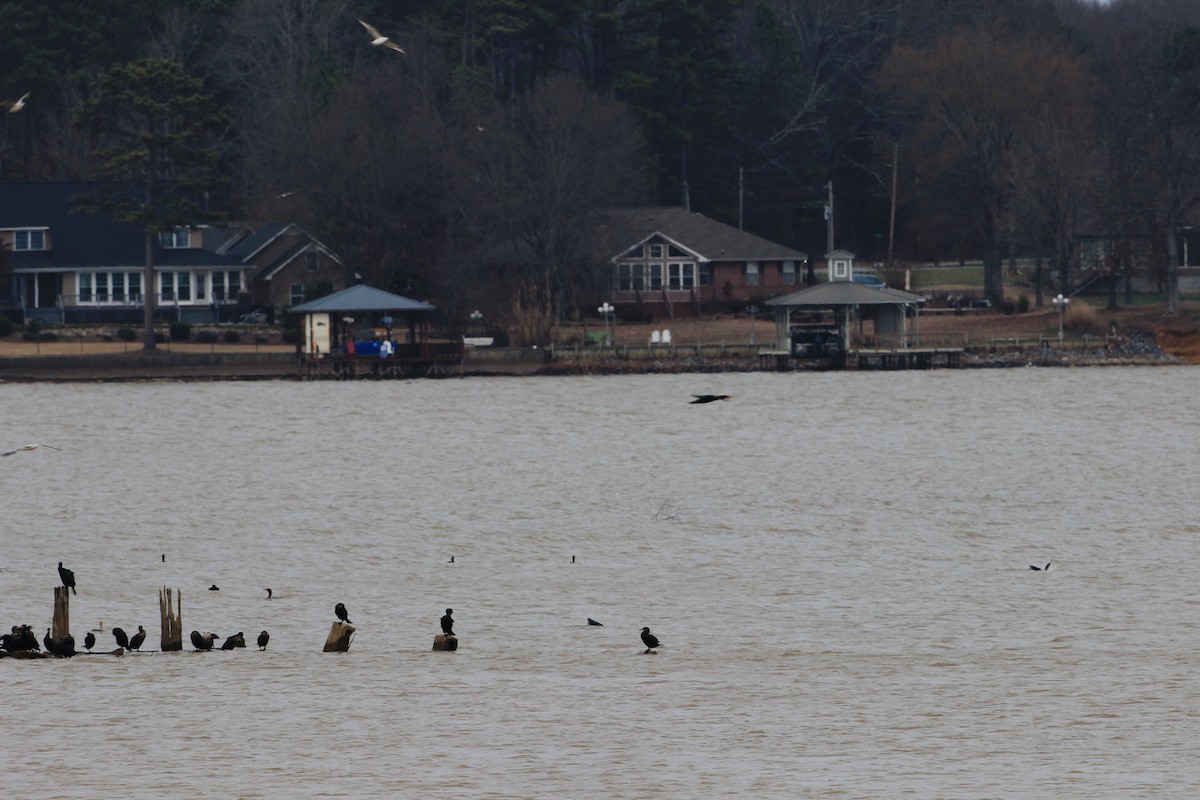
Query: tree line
[{"x": 465, "y": 168}]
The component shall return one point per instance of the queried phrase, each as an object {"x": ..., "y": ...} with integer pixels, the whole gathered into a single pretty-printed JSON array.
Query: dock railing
[{"x": 908, "y": 342}]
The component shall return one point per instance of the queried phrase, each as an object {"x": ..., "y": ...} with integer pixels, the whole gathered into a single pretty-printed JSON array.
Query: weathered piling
[
  {"x": 339, "y": 637},
  {"x": 171, "y": 619},
  {"x": 61, "y": 625},
  {"x": 448, "y": 642}
]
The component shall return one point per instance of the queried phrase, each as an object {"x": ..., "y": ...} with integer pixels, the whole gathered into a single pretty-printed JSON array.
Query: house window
[
  {"x": 85, "y": 287},
  {"x": 118, "y": 287},
  {"x": 655, "y": 276},
  {"x": 656, "y": 251},
  {"x": 635, "y": 252},
  {"x": 705, "y": 275},
  {"x": 101, "y": 287},
  {"x": 218, "y": 279},
  {"x": 297, "y": 293},
  {"x": 312, "y": 260},
  {"x": 235, "y": 285},
  {"x": 789, "y": 273},
  {"x": 682, "y": 276},
  {"x": 200, "y": 279},
  {"x": 631, "y": 277},
  {"x": 177, "y": 239},
  {"x": 677, "y": 252},
  {"x": 167, "y": 282},
  {"x": 135, "y": 287},
  {"x": 183, "y": 287},
  {"x": 29, "y": 240},
  {"x": 752, "y": 273}
]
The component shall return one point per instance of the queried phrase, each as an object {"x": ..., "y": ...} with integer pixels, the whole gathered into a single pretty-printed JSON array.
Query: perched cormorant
[
  {"x": 68, "y": 577},
  {"x": 237, "y": 640},
  {"x": 448, "y": 622},
  {"x": 136, "y": 640},
  {"x": 708, "y": 398},
  {"x": 649, "y": 639},
  {"x": 121, "y": 637},
  {"x": 66, "y": 648},
  {"x": 263, "y": 638},
  {"x": 204, "y": 642},
  {"x": 1039, "y": 569},
  {"x": 49, "y": 643},
  {"x": 89, "y": 641},
  {"x": 594, "y": 622},
  {"x": 340, "y": 610}
]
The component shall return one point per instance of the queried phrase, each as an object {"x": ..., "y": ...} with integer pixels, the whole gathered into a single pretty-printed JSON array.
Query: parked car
[{"x": 869, "y": 280}]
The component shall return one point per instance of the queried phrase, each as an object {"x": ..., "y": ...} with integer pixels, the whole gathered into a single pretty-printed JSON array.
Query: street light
[
  {"x": 1060, "y": 303},
  {"x": 753, "y": 312},
  {"x": 606, "y": 311},
  {"x": 476, "y": 319}
]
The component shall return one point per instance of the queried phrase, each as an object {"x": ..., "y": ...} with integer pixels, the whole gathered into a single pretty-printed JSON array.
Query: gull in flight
[
  {"x": 16, "y": 105},
  {"x": 378, "y": 38},
  {"x": 30, "y": 447}
]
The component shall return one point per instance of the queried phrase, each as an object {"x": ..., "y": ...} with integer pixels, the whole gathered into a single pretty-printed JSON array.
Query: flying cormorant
[
  {"x": 263, "y": 638},
  {"x": 89, "y": 641},
  {"x": 68, "y": 577},
  {"x": 708, "y": 398},
  {"x": 136, "y": 640},
  {"x": 649, "y": 639},
  {"x": 340, "y": 610},
  {"x": 121, "y": 637},
  {"x": 1039, "y": 569},
  {"x": 448, "y": 622}
]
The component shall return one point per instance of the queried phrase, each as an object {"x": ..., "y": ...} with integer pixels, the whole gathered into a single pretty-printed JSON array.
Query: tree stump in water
[
  {"x": 61, "y": 624},
  {"x": 339, "y": 637},
  {"x": 444, "y": 642},
  {"x": 171, "y": 619}
]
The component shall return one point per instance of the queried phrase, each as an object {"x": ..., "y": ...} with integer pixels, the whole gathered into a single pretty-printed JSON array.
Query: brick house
[{"x": 668, "y": 261}]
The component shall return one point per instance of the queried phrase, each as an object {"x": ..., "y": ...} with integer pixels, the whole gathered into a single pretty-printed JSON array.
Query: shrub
[
  {"x": 127, "y": 334},
  {"x": 1022, "y": 303},
  {"x": 206, "y": 337},
  {"x": 232, "y": 337},
  {"x": 180, "y": 331},
  {"x": 1081, "y": 318}
]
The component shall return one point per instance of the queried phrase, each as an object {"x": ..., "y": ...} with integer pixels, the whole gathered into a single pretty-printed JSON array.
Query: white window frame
[
  {"x": 753, "y": 277},
  {"x": 788, "y": 273},
  {"x": 178, "y": 239},
  {"x": 29, "y": 239}
]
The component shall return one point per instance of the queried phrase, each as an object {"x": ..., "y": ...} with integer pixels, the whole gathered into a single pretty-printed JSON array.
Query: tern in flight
[
  {"x": 30, "y": 447},
  {"x": 378, "y": 38}
]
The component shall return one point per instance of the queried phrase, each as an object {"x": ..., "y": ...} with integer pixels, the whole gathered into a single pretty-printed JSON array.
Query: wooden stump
[
  {"x": 61, "y": 625},
  {"x": 444, "y": 642},
  {"x": 339, "y": 637},
  {"x": 171, "y": 620}
]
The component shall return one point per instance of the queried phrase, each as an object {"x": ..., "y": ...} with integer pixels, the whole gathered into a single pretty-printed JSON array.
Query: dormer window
[
  {"x": 178, "y": 239},
  {"x": 29, "y": 239},
  {"x": 313, "y": 261}
]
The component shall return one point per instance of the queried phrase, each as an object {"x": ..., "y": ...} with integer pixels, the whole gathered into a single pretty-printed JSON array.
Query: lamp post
[
  {"x": 476, "y": 319},
  {"x": 1060, "y": 303},
  {"x": 753, "y": 312},
  {"x": 606, "y": 311}
]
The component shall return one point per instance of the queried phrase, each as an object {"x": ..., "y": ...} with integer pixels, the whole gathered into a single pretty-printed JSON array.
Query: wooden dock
[
  {"x": 423, "y": 360},
  {"x": 906, "y": 351}
]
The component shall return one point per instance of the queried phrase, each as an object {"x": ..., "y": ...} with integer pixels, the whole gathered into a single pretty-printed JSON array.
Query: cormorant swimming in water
[
  {"x": 340, "y": 610},
  {"x": 136, "y": 641},
  {"x": 89, "y": 641},
  {"x": 1039, "y": 569},
  {"x": 121, "y": 637},
  {"x": 68, "y": 577},
  {"x": 708, "y": 398},
  {"x": 237, "y": 640},
  {"x": 649, "y": 639},
  {"x": 214, "y": 588},
  {"x": 263, "y": 638},
  {"x": 594, "y": 622},
  {"x": 448, "y": 622},
  {"x": 269, "y": 593}
]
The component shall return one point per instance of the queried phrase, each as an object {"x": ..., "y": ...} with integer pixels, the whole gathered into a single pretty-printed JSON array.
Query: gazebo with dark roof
[{"x": 330, "y": 322}]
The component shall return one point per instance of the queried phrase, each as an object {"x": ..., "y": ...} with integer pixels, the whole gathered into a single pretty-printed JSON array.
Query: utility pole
[
  {"x": 892, "y": 223},
  {"x": 742, "y": 194},
  {"x": 829, "y": 220}
]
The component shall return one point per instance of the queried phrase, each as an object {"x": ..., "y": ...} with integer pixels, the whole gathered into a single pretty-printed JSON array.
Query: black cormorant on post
[
  {"x": 263, "y": 638},
  {"x": 121, "y": 637},
  {"x": 49, "y": 643},
  {"x": 66, "y": 648},
  {"x": 136, "y": 641},
  {"x": 68, "y": 577},
  {"x": 340, "y": 610},
  {"x": 708, "y": 398},
  {"x": 448, "y": 622},
  {"x": 89, "y": 641},
  {"x": 649, "y": 639}
]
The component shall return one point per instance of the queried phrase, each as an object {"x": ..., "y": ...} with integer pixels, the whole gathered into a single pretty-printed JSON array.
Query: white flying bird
[
  {"x": 378, "y": 38},
  {"x": 16, "y": 105},
  {"x": 30, "y": 447}
]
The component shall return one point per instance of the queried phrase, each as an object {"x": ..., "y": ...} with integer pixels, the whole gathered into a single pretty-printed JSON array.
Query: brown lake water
[{"x": 837, "y": 566}]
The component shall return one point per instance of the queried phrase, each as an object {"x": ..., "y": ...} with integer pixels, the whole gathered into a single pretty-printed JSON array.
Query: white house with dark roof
[
  {"x": 72, "y": 267},
  {"x": 668, "y": 260}
]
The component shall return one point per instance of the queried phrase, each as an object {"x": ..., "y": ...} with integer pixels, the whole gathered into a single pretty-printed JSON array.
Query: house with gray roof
[
  {"x": 671, "y": 261},
  {"x": 64, "y": 266}
]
